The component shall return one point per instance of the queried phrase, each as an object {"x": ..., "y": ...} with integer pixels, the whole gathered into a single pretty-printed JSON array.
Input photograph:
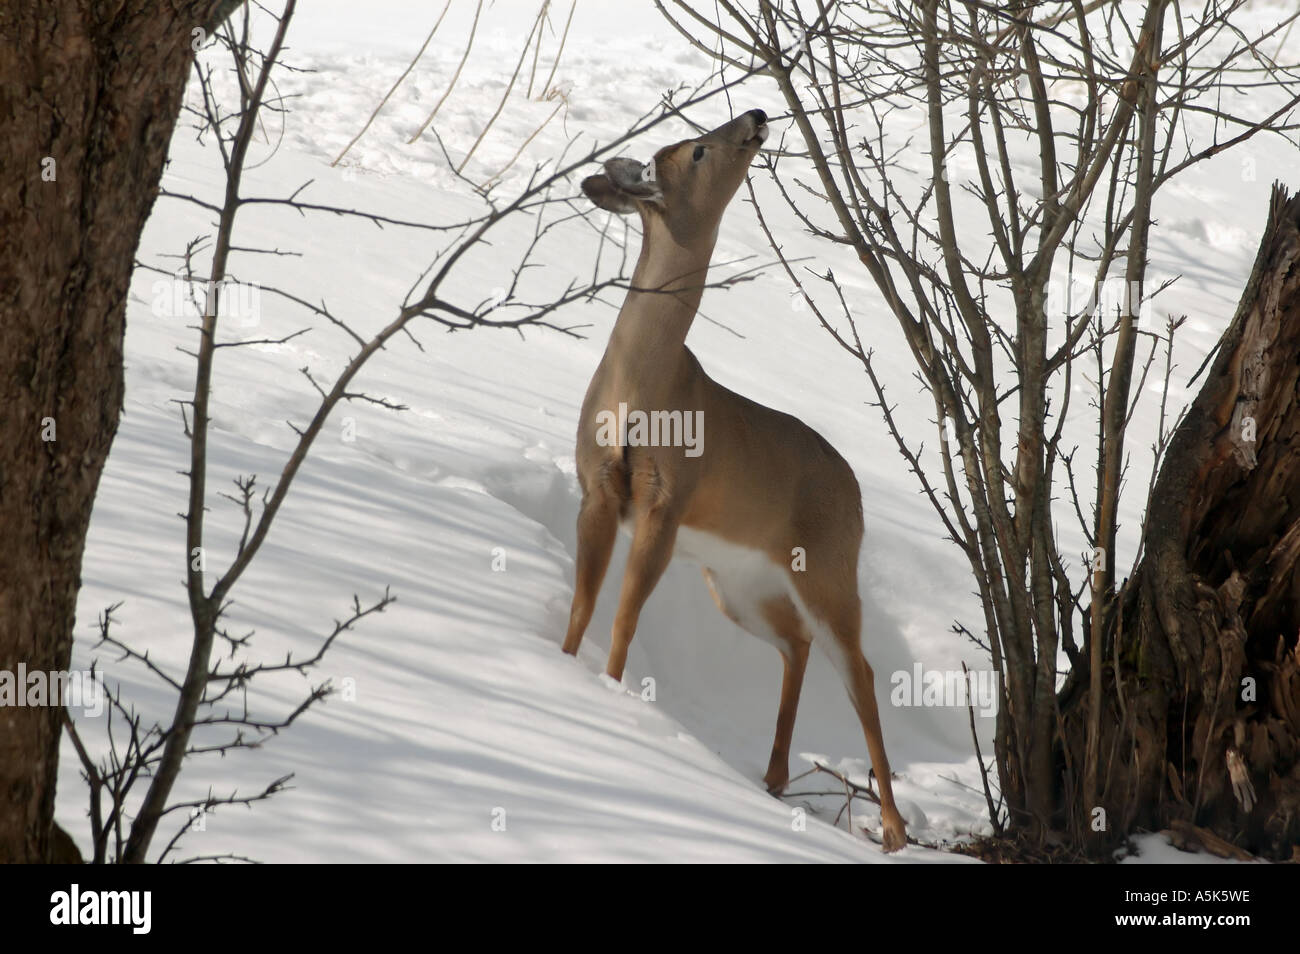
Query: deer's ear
[{"x": 601, "y": 190}]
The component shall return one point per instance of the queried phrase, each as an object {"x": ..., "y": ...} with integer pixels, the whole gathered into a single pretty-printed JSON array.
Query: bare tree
[
  {"x": 133, "y": 776},
  {"x": 90, "y": 103},
  {"x": 1106, "y": 103}
]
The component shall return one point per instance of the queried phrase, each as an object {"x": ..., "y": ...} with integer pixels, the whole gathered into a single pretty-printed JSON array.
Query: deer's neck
[{"x": 666, "y": 289}]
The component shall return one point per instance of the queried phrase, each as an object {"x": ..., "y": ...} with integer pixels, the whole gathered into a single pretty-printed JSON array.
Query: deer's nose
[{"x": 759, "y": 116}]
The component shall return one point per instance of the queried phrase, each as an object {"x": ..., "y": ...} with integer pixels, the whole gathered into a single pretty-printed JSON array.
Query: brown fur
[{"x": 765, "y": 480}]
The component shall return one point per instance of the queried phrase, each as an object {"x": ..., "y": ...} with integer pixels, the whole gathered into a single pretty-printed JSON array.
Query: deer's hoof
[{"x": 895, "y": 832}]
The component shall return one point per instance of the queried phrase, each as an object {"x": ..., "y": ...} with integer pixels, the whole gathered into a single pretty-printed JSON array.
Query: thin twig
[{"x": 410, "y": 66}]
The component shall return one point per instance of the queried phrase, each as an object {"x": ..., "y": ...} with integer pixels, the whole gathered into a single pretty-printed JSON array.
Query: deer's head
[{"x": 687, "y": 185}]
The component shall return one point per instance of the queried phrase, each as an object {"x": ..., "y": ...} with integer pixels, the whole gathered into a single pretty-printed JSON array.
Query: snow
[
  {"x": 1155, "y": 849},
  {"x": 463, "y": 716}
]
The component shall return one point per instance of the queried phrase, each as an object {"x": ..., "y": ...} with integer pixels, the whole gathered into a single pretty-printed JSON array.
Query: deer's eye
[{"x": 699, "y": 153}]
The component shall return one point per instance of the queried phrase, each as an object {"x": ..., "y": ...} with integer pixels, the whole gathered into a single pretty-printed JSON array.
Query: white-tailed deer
[{"x": 763, "y": 493}]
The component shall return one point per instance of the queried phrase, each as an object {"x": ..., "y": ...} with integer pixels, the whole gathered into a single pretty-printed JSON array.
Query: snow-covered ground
[{"x": 466, "y": 734}]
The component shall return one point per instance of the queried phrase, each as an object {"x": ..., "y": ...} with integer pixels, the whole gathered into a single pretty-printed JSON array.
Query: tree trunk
[
  {"x": 1201, "y": 717},
  {"x": 91, "y": 92}
]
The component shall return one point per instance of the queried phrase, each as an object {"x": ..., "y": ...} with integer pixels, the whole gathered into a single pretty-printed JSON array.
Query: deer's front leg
[
  {"x": 652, "y": 548},
  {"x": 597, "y": 526}
]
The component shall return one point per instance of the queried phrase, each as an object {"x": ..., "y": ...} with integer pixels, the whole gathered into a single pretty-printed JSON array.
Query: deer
[{"x": 763, "y": 489}]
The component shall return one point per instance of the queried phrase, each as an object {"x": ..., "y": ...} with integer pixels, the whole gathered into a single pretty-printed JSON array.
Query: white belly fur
[{"x": 746, "y": 579}]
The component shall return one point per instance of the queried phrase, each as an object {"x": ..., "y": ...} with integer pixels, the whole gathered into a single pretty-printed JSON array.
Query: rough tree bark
[
  {"x": 89, "y": 94},
  {"x": 1201, "y": 723}
]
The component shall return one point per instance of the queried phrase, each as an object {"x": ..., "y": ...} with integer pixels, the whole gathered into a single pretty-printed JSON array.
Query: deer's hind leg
[
  {"x": 782, "y": 615},
  {"x": 774, "y": 620},
  {"x": 845, "y": 623}
]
